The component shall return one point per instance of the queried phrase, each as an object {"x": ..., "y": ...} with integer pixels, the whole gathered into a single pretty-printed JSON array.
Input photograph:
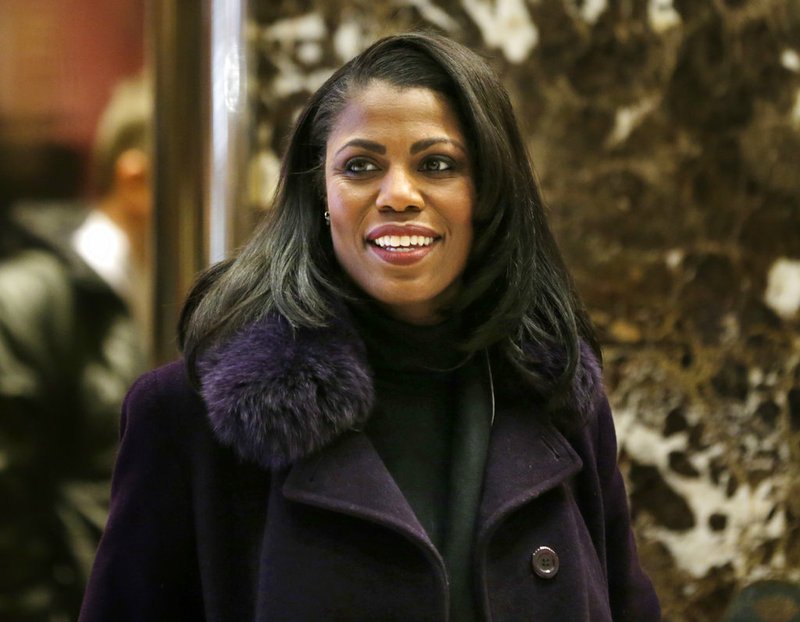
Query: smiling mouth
[{"x": 403, "y": 243}]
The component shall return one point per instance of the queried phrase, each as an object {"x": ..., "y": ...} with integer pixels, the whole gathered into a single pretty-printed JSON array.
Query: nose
[{"x": 399, "y": 191}]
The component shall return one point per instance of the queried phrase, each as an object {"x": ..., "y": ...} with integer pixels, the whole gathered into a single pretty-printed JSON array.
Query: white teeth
[{"x": 403, "y": 241}]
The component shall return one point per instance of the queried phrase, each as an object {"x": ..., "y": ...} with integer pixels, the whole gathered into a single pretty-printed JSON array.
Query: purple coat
[{"x": 262, "y": 501}]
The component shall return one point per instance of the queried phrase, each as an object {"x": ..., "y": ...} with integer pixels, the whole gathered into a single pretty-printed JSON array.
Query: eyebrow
[
  {"x": 369, "y": 145},
  {"x": 420, "y": 145}
]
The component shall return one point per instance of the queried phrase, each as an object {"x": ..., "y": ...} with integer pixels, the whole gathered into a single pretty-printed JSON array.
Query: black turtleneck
[{"x": 430, "y": 425}]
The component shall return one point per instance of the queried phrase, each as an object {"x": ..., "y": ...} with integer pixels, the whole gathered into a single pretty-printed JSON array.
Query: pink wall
[
  {"x": 103, "y": 42},
  {"x": 59, "y": 62}
]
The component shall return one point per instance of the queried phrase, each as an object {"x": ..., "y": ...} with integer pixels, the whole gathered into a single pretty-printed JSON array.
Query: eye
[
  {"x": 437, "y": 164},
  {"x": 356, "y": 166}
]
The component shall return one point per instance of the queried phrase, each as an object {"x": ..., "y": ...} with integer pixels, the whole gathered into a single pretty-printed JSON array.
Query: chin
[{"x": 413, "y": 309}]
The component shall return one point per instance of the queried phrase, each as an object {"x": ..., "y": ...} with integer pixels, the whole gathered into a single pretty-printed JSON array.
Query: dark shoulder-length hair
[{"x": 515, "y": 290}]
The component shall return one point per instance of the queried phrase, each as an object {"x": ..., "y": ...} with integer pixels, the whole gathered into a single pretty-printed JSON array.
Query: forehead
[{"x": 383, "y": 110}]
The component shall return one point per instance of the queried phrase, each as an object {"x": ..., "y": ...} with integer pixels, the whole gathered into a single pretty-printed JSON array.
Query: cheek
[
  {"x": 343, "y": 230},
  {"x": 348, "y": 207},
  {"x": 337, "y": 196},
  {"x": 462, "y": 218},
  {"x": 468, "y": 239},
  {"x": 341, "y": 218},
  {"x": 342, "y": 239}
]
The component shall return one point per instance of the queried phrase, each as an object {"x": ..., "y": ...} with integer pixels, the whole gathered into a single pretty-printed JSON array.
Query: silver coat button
[{"x": 545, "y": 562}]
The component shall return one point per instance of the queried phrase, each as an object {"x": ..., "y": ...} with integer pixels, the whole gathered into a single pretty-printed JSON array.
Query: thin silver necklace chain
[
  {"x": 488, "y": 369},
  {"x": 491, "y": 382}
]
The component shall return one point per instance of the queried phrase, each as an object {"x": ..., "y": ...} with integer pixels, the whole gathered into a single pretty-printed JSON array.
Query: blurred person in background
[{"x": 73, "y": 318}]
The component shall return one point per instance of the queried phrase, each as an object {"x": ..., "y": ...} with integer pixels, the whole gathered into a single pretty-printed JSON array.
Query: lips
[
  {"x": 402, "y": 244},
  {"x": 400, "y": 231}
]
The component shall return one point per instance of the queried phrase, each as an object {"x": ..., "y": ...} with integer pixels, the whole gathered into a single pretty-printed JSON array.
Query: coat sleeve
[
  {"x": 146, "y": 568},
  {"x": 631, "y": 593},
  {"x": 36, "y": 326}
]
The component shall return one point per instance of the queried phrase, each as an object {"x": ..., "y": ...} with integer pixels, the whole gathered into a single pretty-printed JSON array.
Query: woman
[{"x": 399, "y": 412}]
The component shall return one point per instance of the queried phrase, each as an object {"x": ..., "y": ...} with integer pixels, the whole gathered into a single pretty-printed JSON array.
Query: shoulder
[
  {"x": 163, "y": 397},
  {"x": 163, "y": 427},
  {"x": 167, "y": 385},
  {"x": 36, "y": 305},
  {"x": 33, "y": 276},
  {"x": 596, "y": 440},
  {"x": 595, "y": 437}
]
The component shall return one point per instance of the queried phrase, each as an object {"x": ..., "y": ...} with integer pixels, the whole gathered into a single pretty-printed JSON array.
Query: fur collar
[{"x": 276, "y": 394}]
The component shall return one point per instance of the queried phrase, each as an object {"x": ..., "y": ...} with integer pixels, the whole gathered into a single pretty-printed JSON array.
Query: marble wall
[{"x": 666, "y": 136}]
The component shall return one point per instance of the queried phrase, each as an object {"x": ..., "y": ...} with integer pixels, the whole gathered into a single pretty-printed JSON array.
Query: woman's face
[{"x": 400, "y": 193}]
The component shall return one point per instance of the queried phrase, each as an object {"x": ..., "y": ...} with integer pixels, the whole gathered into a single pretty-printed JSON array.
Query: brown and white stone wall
[{"x": 666, "y": 136}]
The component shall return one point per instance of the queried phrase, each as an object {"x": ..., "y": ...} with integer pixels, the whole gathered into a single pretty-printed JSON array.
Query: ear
[
  {"x": 131, "y": 168},
  {"x": 132, "y": 187}
]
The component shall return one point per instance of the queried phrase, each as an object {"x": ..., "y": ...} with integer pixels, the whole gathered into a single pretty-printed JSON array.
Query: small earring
[{"x": 327, "y": 216}]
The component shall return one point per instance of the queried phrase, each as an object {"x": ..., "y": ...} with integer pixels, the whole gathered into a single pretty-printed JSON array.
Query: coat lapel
[
  {"x": 349, "y": 477},
  {"x": 526, "y": 458}
]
